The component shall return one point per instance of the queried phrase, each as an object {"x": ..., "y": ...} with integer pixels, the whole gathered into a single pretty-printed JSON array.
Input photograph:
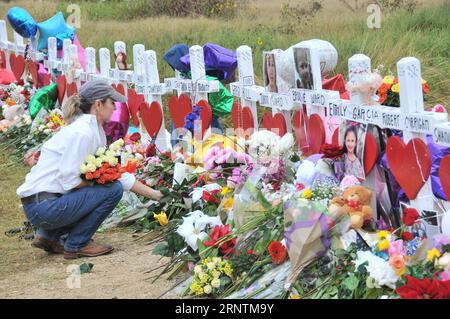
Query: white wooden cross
[
  {"x": 245, "y": 88},
  {"x": 52, "y": 62},
  {"x": 153, "y": 92},
  {"x": 122, "y": 76},
  {"x": 415, "y": 119},
  {"x": 359, "y": 67},
  {"x": 146, "y": 79},
  {"x": 316, "y": 99},
  {"x": 91, "y": 70},
  {"x": 105, "y": 64},
  {"x": 278, "y": 102},
  {"x": 409, "y": 118}
]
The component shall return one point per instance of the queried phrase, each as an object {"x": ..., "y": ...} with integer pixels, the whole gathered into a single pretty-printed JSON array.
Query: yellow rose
[
  {"x": 224, "y": 191},
  {"x": 198, "y": 269},
  {"x": 215, "y": 283},
  {"x": 90, "y": 159},
  {"x": 162, "y": 219},
  {"x": 83, "y": 169},
  {"x": 100, "y": 151},
  {"x": 383, "y": 245},
  {"x": 388, "y": 79},
  {"x": 229, "y": 203},
  {"x": 215, "y": 274},
  {"x": 433, "y": 253},
  {"x": 98, "y": 162},
  {"x": 91, "y": 167},
  {"x": 207, "y": 289},
  {"x": 307, "y": 194},
  {"x": 110, "y": 153},
  {"x": 395, "y": 88},
  {"x": 383, "y": 234}
]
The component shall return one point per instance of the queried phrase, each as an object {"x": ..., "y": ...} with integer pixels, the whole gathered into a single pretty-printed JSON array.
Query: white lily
[
  {"x": 197, "y": 193},
  {"x": 193, "y": 227}
]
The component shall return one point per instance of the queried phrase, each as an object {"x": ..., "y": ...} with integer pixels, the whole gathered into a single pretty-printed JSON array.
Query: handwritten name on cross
[{"x": 245, "y": 88}]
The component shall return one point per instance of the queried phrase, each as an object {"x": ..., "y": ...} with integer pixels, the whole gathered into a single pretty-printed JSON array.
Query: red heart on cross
[
  {"x": 61, "y": 84},
  {"x": 444, "y": 174},
  {"x": 205, "y": 115},
  {"x": 71, "y": 89},
  {"x": 151, "y": 117},
  {"x": 179, "y": 108},
  {"x": 310, "y": 132},
  {"x": 134, "y": 102},
  {"x": 119, "y": 88},
  {"x": 17, "y": 63},
  {"x": 410, "y": 164},
  {"x": 242, "y": 119},
  {"x": 275, "y": 123},
  {"x": 370, "y": 153},
  {"x": 33, "y": 69},
  {"x": 47, "y": 79},
  {"x": 335, "y": 137}
]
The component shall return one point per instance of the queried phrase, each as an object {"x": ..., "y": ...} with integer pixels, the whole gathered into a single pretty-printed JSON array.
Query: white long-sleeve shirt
[{"x": 58, "y": 168}]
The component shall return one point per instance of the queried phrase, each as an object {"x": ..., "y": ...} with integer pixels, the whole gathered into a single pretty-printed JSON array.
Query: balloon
[
  {"x": 44, "y": 98},
  {"x": 22, "y": 22},
  {"x": 56, "y": 27},
  {"x": 445, "y": 224}
]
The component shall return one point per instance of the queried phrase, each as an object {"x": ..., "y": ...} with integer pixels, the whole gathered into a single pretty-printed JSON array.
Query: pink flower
[
  {"x": 444, "y": 275},
  {"x": 397, "y": 248},
  {"x": 349, "y": 181}
]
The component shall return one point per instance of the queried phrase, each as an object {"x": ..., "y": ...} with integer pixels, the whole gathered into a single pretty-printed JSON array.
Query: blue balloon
[
  {"x": 22, "y": 22},
  {"x": 56, "y": 27}
]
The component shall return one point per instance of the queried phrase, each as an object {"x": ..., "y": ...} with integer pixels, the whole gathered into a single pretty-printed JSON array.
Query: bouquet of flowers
[
  {"x": 16, "y": 94},
  {"x": 211, "y": 277},
  {"x": 104, "y": 167},
  {"x": 389, "y": 92}
]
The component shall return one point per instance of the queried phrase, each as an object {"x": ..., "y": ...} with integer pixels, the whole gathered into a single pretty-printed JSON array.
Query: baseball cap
[{"x": 99, "y": 90}]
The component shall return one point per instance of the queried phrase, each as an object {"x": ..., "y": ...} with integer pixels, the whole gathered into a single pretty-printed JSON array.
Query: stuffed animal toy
[
  {"x": 367, "y": 88},
  {"x": 355, "y": 202}
]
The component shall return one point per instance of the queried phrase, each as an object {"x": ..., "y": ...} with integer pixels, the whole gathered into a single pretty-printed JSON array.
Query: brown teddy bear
[{"x": 355, "y": 201}]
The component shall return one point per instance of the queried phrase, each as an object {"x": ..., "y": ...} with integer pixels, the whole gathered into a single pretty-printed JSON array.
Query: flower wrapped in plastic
[{"x": 308, "y": 229}]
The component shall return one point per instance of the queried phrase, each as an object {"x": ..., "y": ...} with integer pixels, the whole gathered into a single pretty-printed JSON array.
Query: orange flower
[
  {"x": 96, "y": 174},
  {"x": 89, "y": 176},
  {"x": 397, "y": 262},
  {"x": 425, "y": 88}
]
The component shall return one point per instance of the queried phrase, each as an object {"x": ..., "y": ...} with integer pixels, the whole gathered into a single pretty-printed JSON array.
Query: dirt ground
[{"x": 27, "y": 272}]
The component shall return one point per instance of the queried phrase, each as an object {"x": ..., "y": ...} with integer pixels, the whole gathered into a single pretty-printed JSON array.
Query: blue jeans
[{"x": 78, "y": 213}]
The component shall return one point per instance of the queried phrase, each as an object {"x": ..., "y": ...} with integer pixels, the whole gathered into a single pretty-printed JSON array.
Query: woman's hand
[{"x": 146, "y": 191}]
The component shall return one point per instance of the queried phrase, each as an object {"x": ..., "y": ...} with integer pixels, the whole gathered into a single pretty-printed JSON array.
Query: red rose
[
  {"x": 209, "y": 198},
  {"x": 331, "y": 151},
  {"x": 424, "y": 289},
  {"x": 135, "y": 137},
  {"x": 407, "y": 236},
  {"x": 277, "y": 251},
  {"x": 410, "y": 216},
  {"x": 217, "y": 233},
  {"x": 151, "y": 150}
]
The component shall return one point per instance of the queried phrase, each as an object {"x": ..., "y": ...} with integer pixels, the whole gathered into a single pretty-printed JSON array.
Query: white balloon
[{"x": 445, "y": 224}]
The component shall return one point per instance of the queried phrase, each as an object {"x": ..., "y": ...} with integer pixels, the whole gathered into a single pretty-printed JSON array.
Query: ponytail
[{"x": 74, "y": 107}]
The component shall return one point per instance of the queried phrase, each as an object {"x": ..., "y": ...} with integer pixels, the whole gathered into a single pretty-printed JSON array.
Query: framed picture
[
  {"x": 303, "y": 69},
  {"x": 270, "y": 72},
  {"x": 352, "y": 137}
]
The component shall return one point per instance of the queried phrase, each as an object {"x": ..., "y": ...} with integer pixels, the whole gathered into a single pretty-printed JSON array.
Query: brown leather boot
[
  {"x": 90, "y": 250},
  {"x": 49, "y": 246}
]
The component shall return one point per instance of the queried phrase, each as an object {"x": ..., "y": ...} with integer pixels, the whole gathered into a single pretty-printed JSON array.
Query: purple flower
[
  {"x": 381, "y": 224},
  {"x": 441, "y": 240}
]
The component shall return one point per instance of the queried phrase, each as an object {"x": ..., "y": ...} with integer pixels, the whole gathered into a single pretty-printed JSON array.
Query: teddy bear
[{"x": 355, "y": 202}]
